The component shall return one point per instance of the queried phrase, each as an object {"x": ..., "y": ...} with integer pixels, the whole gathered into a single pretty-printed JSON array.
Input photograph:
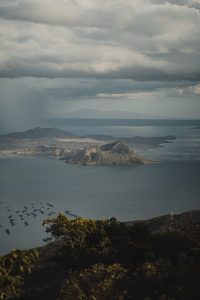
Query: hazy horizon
[{"x": 66, "y": 55}]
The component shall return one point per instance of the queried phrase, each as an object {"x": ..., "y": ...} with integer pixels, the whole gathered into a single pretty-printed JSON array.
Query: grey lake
[{"x": 34, "y": 188}]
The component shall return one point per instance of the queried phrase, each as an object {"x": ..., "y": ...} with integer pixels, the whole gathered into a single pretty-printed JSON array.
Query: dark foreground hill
[
  {"x": 157, "y": 259},
  {"x": 37, "y": 133}
]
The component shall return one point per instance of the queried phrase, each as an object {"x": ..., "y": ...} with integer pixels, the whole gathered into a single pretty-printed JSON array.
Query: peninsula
[{"x": 83, "y": 150}]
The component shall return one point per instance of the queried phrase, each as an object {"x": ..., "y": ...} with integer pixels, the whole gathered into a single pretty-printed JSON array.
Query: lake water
[
  {"x": 31, "y": 189},
  {"x": 28, "y": 184},
  {"x": 185, "y": 147}
]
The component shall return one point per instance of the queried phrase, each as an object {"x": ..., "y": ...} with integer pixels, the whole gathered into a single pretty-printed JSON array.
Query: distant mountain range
[
  {"x": 37, "y": 133},
  {"x": 97, "y": 114}
]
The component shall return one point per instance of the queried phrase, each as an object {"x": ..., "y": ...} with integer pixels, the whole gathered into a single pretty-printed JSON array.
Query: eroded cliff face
[{"x": 114, "y": 154}]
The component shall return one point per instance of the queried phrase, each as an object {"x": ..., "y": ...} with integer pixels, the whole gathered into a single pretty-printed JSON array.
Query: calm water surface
[
  {"x": 28, "y": 185},
  {"x": 185, "y": 147}
]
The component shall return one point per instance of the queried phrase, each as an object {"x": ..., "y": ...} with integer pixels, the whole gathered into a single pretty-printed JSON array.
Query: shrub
[{"x": 13, "y": 267}]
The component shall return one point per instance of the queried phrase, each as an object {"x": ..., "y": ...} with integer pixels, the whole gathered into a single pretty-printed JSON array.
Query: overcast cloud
[{"x": 84, "y": 48}]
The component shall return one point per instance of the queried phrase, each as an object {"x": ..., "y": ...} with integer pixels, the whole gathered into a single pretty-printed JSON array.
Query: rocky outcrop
[{"x": 114, "y": 154}]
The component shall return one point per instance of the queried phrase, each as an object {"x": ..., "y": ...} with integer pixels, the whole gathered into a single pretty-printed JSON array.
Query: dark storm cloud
[
  {"x": 53, "y": 52},
  {"x": 190, "y": 3},
  {"x": 78, "y": 89},
  {"x": 139, "y": 40},
  {"x": 22, "y": 106}
]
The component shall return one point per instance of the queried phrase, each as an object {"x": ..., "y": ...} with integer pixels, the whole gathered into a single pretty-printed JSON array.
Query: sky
[{"x": 58, "y": 56}]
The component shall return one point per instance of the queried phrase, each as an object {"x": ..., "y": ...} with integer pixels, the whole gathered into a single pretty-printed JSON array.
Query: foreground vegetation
[{"x": 88, "y": 259}]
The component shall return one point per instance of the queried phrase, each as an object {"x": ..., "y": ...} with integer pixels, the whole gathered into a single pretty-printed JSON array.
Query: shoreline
[
  {"x": 159, "y": 254},
  {"x": 154, "y": 224}
]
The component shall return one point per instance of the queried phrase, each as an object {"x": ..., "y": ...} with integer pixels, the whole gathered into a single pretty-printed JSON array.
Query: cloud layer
[
  {"x": 143, "y": 40},
  {"x": 62, "y": 55}
]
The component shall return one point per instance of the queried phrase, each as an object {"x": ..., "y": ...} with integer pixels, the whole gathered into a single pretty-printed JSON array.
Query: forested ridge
[{"x": 107, "y": 259}]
